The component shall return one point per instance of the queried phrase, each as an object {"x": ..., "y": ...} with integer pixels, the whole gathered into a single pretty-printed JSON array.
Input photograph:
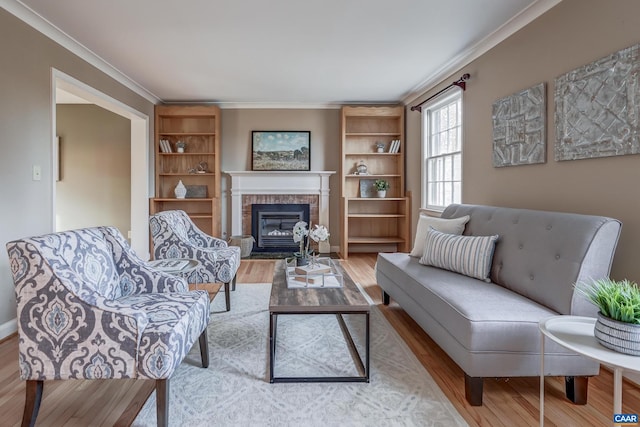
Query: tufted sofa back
[
  {"x": 542, "y": 254},
  {"x": 83, "y": 253}
]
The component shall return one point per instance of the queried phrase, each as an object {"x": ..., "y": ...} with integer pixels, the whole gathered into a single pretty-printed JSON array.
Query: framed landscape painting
[{"x": 281, "y": 150}]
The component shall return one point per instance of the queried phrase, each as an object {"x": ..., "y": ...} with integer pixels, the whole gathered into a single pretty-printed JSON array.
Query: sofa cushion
[
  {"x": 473, "y": 311},
  {"x": 451, "y": 226},
  {"x": 468, "y": 255}
]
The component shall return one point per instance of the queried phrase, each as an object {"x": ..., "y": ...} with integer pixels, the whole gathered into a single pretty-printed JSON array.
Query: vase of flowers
[{"x": 303, "y": 236}]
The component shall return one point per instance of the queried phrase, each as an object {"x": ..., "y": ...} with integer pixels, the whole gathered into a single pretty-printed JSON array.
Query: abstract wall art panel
[
  {"x": 519, "y": 128},
  {"x": 597, "y": 108}
]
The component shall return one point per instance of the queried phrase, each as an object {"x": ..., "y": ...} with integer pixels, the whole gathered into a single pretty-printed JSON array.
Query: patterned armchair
[
  {"x": 176, "y": 236},
  {"x": 89, "y": 308}
]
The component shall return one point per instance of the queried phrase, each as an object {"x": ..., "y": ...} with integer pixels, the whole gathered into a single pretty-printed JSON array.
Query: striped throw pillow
[{"x": 468, "y": 255}]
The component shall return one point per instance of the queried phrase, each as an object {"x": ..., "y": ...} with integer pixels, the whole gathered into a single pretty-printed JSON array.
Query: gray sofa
[{"x": 490, "y": 329}]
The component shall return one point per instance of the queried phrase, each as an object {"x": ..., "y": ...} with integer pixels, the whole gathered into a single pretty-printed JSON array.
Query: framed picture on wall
[{"x": 281, "y": 150}]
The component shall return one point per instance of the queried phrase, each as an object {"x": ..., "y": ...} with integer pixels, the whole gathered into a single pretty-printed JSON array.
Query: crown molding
[
  {"x": 40, "y": 24},
  {"x": 278, "y": 105},
  {"x": 281, "y": 105},
  {"x": 522, "y": 19}
]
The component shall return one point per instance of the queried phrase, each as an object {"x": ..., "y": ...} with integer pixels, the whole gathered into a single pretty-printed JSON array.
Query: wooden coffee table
[{"x": 306, "y": 301}]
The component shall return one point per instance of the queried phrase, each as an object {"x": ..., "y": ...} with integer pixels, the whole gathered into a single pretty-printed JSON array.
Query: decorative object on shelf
[
  {"x": 519, "y": 128},
  {"x": 361, "y": 168},
  {"x": 367, "y": 188},
  {"x": 597, "y": 108},
  {"x": 380, "y": 147},
  {"x": 618, "y": 324},
  {"x": 180, "y": 146},
  {"x": 381, "y": 186},
  {"x": 196, "y": 192},
  {"x": 180, "y": 190},
  {"x": 203, "y": 167},
  {"x": 281, "y": 150},
  {"x": 303, "y": 236}
]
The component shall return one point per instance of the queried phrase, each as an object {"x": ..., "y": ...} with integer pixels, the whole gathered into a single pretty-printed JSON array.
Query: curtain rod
[{"x": 461, "y": 83}]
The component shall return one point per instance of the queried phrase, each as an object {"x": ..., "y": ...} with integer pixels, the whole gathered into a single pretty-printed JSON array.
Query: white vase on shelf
[{"x": 180, "y": 190}]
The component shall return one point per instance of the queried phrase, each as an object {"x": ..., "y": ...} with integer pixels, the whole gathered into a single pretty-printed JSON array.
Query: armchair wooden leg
[
  {"x": 204, "y": 349},
  {"x": 385, "y": 298},
  {"x": 227, "y": 296},
  {"x": 576, "y": 389},
  {"x": 33, "y": 397},
  {"x": 162, "y": 402},
  {"x": 233, "y": 284},
  {"x": 473, "y": 390}
]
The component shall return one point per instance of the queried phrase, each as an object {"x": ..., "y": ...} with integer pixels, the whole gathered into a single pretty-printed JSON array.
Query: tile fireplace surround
[{"x": 249, "y": 187}]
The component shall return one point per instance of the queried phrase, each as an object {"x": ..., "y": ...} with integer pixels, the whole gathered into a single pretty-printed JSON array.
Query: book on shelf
[
  {"x": 397, "y": 149},
  {"x": 165, "y": 146},
  {"x": 394, "y": 147}
]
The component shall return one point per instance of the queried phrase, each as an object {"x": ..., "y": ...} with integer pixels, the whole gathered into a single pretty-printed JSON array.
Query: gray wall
[
  {"x": 95, "y": 163},
  {"x": 25, "y": 132},
  {"x": 574, "y": 33},
  {"x": 324, "y": 125}
]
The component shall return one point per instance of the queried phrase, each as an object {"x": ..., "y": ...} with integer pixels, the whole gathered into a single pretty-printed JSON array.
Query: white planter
[{"x": 381, "y": 193}]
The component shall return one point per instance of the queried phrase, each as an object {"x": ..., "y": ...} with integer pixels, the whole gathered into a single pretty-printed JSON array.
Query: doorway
[{"x": 139, "y": 224}]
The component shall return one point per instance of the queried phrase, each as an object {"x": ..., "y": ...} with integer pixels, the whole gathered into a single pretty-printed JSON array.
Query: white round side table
[{"x": 576, "y": 333}]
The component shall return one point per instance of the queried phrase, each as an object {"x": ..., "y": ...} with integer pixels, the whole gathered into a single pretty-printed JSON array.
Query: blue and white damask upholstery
[
  {"x": 176, "y": 236},
  {"x": 89, "y": 308}
]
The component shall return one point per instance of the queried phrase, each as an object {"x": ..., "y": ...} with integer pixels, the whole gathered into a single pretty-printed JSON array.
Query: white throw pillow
[
  {"x": 468, "y": 255},
  {"x": 444, "y": 225}
]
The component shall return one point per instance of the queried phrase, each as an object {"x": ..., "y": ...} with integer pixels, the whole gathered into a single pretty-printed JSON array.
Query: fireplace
[
  {"x": 279, "y": 187},
  {"x": 272, "y": 226}
]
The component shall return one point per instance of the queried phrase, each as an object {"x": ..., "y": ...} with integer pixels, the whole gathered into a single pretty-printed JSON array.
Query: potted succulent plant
[
  {"x": 618, "y": 324},
  {"x": 381, "y": 187}
]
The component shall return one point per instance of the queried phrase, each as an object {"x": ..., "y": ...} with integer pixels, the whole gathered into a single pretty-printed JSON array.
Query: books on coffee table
[{"x": 322, "y": 274}]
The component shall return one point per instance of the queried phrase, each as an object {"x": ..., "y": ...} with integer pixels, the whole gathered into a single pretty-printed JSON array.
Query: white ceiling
[{"x": 253, "y": 52}]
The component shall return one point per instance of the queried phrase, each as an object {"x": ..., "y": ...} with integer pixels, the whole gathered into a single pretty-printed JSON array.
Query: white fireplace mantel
[{"x": 278, "y": 182}]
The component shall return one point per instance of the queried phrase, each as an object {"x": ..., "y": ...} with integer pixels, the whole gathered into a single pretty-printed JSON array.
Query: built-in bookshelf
[
  {"x": 373, "y": 136},
  {"x": 197, "y": 129}
]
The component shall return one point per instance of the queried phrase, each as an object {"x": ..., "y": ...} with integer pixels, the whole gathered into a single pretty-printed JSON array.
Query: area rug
[{"x": 235, "y": 389}]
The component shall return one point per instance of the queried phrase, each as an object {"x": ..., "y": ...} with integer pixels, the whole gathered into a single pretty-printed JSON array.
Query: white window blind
[{"x": 442, "y": 152}]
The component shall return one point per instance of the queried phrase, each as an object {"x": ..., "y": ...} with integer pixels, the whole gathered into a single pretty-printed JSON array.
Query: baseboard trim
[{"x": 8, "y": 328}]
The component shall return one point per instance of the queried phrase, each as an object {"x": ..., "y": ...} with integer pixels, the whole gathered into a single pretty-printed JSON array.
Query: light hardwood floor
[{"x": 507, "y": 402}]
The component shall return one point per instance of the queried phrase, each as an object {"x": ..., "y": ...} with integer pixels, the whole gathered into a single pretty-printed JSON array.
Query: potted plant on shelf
[
  {"x": 381, "y": 187},
  {"x": 180, "y": 146},
  {"x": 618, "y": 324},
  {"x": 302, "y": 235}
]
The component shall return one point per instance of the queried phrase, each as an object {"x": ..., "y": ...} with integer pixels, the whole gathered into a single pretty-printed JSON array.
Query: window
[{"x": 442, "y": 152}]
